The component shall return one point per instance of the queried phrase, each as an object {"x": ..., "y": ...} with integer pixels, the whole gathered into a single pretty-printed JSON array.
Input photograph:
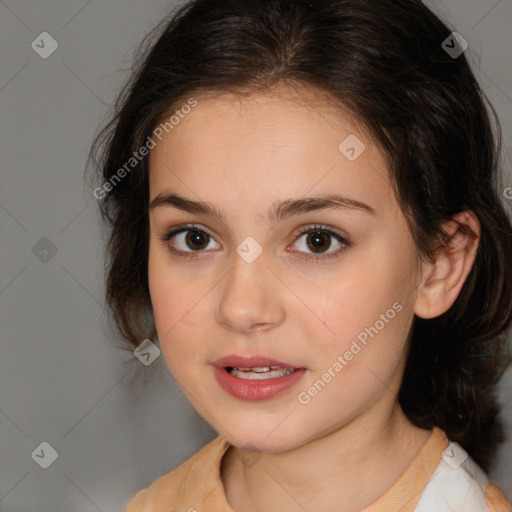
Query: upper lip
[{"x": 254, "y": 361}]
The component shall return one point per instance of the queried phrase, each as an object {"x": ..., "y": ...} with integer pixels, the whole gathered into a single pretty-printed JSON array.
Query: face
[{"x": 303, "y": 257}]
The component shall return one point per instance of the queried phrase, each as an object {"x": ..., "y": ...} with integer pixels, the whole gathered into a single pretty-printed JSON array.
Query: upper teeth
[
  {"x": 257, "y": 369},
  {"x": 270, "y": 372}
]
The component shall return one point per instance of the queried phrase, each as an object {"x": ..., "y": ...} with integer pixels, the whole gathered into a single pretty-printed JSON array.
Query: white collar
[{"x": 457, "y": 484}]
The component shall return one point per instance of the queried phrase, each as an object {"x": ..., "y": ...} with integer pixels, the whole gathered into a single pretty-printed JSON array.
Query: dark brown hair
[{"x": 383, "y": 61}]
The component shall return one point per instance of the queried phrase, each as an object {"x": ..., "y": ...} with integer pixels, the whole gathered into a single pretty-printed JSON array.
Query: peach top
[{"x": 196, "y": 485}]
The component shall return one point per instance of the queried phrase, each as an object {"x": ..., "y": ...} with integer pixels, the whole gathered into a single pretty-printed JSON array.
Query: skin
[{"x": 242, "y": 155}]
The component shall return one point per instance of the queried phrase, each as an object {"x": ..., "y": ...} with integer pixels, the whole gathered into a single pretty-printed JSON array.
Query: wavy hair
[{"x": 383, "y": 61}]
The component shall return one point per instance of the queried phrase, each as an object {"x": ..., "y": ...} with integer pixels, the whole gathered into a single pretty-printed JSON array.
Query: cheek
[
  {"x": 355, "y": 300},
  {"x": 370, "y": 303},
  {"x": 361, "y": 359},
  {"x": 173, "y": 293},
  {"x": 173, "y": 300},
  {"x": 162, "y": 291}
]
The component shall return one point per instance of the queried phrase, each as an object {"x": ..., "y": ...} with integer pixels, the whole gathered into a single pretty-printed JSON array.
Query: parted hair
[{"x": 384, "y": 62}]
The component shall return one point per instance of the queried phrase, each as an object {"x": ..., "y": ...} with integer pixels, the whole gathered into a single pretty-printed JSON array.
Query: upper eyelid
[{"x": 175, "y": 230}]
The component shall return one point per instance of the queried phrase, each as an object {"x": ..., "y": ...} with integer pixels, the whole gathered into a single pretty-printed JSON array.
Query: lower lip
[{"x": 261, "y": 389}]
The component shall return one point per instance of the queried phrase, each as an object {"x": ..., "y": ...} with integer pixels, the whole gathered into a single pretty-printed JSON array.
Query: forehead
[
  {"x": 259, "y": 116},
  {"x": 285, "y": 140}
]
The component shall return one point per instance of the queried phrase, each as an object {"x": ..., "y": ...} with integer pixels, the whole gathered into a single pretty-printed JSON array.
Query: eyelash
[{"x": 307, "y": 229}]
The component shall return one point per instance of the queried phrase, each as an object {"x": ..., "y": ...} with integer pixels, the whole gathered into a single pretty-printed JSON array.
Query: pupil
[
  {"x": 318, "y": 240},
  {"x": 196, "y": 238}
]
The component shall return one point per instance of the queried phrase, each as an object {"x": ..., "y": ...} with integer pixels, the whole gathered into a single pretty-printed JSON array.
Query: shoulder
[
  {"x": 458, "y": 483},
  {"x": 175, "y": 486},
  {"x": 496, "y": 500}
]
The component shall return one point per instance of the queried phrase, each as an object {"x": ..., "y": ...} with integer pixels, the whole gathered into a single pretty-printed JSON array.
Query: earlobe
[{"x": 444, "y": 276}]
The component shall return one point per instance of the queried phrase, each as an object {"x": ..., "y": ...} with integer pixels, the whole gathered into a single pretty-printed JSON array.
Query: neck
[{"x": 341, "y": 471}]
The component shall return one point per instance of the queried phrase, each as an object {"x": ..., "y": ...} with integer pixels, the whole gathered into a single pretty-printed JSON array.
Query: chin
[{"x": 266, "y": 439}]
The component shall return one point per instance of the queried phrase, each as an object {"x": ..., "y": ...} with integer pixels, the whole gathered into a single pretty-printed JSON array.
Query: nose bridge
[{"x": 248, "y": 298}]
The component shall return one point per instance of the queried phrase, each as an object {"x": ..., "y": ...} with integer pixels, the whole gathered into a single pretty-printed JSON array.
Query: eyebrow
[{"x": 277, "y": 212}]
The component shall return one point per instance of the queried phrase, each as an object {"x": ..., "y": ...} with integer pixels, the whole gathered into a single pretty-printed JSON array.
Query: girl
[{"x": 304, "y": 208}]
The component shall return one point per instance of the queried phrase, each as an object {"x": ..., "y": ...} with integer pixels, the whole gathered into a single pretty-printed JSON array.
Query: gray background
[{"x": 115, "y": 424}]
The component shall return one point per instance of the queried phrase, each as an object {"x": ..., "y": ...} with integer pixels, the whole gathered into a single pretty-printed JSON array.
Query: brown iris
[
  {"x": 198, "y": 239},
  {"x": 318, "y": 241}
]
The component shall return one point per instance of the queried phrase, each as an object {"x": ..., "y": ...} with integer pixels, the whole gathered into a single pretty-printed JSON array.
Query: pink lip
[
  {"x": 249, "y": 362},
  {"x": 254, "y": 390}
]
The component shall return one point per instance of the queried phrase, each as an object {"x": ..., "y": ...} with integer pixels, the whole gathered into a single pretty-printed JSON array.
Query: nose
[{"x": 250, "y": 298}]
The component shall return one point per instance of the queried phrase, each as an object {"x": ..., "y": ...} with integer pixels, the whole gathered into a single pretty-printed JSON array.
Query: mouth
[{"x": 253, "y": 378}]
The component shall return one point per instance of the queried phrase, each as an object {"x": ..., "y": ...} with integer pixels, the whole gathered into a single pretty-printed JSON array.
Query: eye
[
  {"x": 319, "y": 239},
  {"x": 187, "y": 240}
]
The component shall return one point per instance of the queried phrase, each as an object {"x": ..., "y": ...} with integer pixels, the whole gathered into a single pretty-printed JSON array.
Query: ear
[{"x": 443, "y": 278}]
